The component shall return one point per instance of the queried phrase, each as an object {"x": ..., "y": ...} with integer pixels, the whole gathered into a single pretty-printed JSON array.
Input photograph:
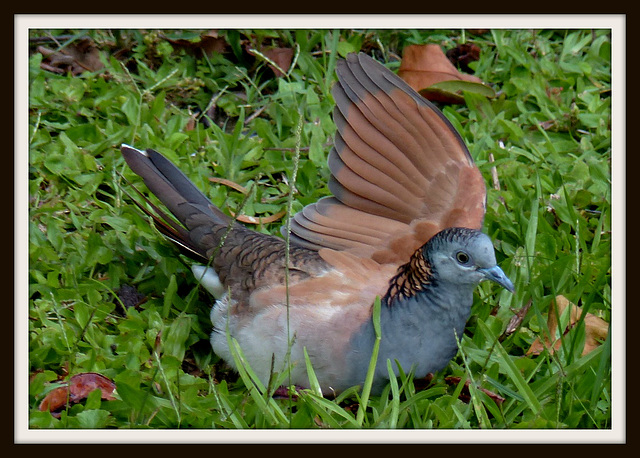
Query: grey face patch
[{"x": 463, "y": 256}]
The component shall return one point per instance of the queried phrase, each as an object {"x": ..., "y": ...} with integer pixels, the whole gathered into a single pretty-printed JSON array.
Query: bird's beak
[{"x": 496, "y": 274}]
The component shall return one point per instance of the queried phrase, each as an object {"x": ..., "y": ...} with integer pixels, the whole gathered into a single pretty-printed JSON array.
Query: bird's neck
[
  {"x": 430, "y": 315},
  {"x": 418, "y": 324},
  {"x": 411, "y": 278}
]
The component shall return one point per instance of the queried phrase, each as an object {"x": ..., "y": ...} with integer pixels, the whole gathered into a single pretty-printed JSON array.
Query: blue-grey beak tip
[{"x": 497, "y": 275}]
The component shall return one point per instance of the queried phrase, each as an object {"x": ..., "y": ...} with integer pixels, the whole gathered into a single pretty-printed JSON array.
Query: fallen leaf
[
  {"x": 245, "y": 218},
  {"x": 281, "y": 57},
  {"x": 554, "y": 93},
  {"x": 596, "y": 328},
  {"x": 516, "y": 320},
  {"x": 546, "y": 125},
  {"x": 259, "y": 219},
  {"x": 75, "y": 58},
  {"x": 77, "y": 389},
  {"x": 130, "y": 296},
  {"x": 423, "y": 66},
  {"x": 463, "y": 54},
  {"x": 423, "y": 383},
  {"x": 478, "y": 31},
  {"x": 465, "y": 394},
  {"x": 230, "y": 184},
  {"x": 209, "y": 43},
  {"x": 190, "y": 366}
]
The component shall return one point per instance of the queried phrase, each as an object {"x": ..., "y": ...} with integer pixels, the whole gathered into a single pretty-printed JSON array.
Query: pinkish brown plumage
[{"x": 402, "y": 224}]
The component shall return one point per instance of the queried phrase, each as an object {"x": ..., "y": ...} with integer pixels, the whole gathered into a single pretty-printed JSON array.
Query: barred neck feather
[{"x": 411, "y": 278}]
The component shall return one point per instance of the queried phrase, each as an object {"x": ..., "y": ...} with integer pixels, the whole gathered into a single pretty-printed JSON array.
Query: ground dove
[{"x": 403, "y": 224}]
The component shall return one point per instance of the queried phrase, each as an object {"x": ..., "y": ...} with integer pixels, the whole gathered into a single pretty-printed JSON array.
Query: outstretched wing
[{"x": 400, "y": 171}]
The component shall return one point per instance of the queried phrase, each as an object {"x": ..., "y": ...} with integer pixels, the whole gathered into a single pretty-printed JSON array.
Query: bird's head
[{"x": 464, "y": 257}]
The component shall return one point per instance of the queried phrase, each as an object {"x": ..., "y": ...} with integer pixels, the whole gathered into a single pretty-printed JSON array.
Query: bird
[{"x": 403, "y": 225}]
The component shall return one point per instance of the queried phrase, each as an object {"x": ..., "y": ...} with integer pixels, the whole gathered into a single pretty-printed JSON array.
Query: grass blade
[
  {"x": 256, "y": 388},
  {"x": 478, "y": 407},
  {"x": 395, "y": 399},
  {"x": 512, "y": 371},
  {"x": 366, "y": 389},
  {"x": 313, "y": 380}
]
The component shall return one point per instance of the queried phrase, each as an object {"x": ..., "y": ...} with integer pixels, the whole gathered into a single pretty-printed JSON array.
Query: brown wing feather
[
  {"x": 400, "y": 174},
  {"x": 400, "y": 171}
]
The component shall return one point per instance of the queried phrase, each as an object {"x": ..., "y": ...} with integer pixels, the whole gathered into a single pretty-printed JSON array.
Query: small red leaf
[{"x": 78, "y": 388}]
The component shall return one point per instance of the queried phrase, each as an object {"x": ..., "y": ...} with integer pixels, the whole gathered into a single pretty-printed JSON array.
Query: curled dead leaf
[
  {"x": 79, "y": 56},
  {"x": 76, "y": 390},
  {"x": 430, "y": 72},
  {"x": 424, "y": 65},
  {"x": 245, "y": 218},
  {"x": 259, "y": 219},
  {"x": 230, "y": 184},
  {"x": 596, "y": 328},
  {"x": 516, "y": 320}
]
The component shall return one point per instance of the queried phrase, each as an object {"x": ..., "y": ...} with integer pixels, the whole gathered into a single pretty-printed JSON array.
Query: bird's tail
[
  {"x": 243, "y": 260},
  {"x": 186, "y": 202}
]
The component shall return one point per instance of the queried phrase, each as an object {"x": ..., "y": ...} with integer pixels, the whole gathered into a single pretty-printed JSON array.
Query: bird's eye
[{"x": 462, "y": 257}]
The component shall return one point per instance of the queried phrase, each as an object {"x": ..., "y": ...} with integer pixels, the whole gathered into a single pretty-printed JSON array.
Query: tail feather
[
  {"x": 167, "y": 226},
  {"x": 180, "y": 196},
  {"x": 244, "y": 260},
  {"x": 171, "y": 186}
]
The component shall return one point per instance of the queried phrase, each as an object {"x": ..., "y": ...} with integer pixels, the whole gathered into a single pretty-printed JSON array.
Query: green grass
[{"x": 547, "y": 133}]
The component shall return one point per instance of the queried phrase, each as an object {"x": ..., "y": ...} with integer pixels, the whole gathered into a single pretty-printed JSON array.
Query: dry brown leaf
[
  {"x": 478, "y": 31},
  {"x": 465, "y": 394},
  {"x": 425, "y": 65},
  {"x": 546, "y": 125},
  {"x": 259, "y": 219},
  {"x": 463, "y": 54},
  {"x": 78, "y": 388},
  {"x": 596, "y": 328},
  {"x": 209, "y": 44},
  {"x": 77, "y": 57},
  {"x": 516, "y": 320},
  {"x": 230, "y": 184},
  {"x": 245, "y": 218},
  {"x": 282, "y": 57},
  {"x": 130, "y": 297}
]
